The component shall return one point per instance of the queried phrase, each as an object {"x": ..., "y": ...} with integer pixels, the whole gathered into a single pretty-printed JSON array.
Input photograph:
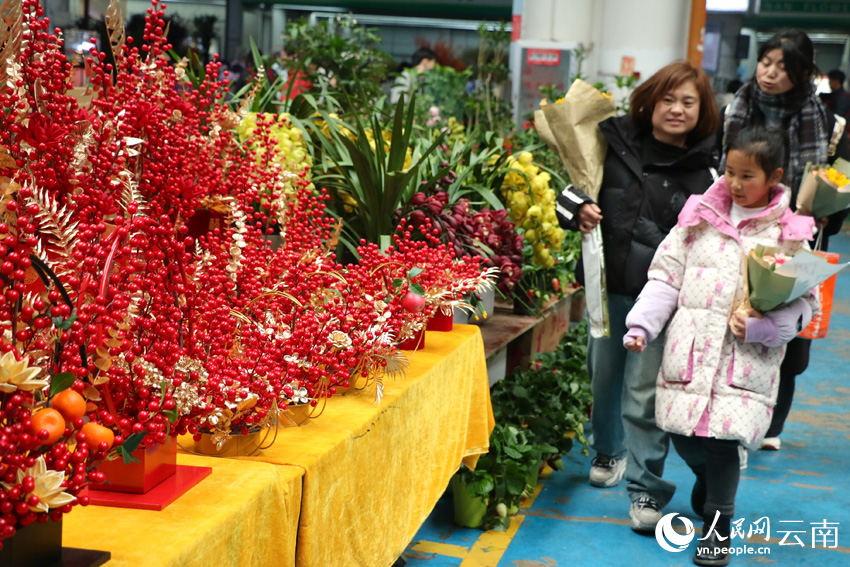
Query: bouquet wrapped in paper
[
  {"x": 824, "y": 190},
  {"x": 775, "y": 280},
  {"x": 571, "y": 128}
]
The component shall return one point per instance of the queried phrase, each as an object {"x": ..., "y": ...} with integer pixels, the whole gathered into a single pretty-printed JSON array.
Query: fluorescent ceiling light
[{"x": 727, "y": 5}]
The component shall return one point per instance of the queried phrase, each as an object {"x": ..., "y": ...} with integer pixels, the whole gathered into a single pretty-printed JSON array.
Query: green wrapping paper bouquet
[
  {"x": 775, "y": 280},
  {"x": 824, "y": 190}
]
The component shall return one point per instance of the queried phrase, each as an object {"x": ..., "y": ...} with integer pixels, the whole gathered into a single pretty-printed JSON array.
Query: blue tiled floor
[{"x": 573, "y": 524}]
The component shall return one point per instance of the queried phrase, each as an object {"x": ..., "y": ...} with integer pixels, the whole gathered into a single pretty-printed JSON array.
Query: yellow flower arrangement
[
  {"x": 290, "y": 149},
  {"x": 836, "y": 177},
  {"x": 531, "y": 205}
]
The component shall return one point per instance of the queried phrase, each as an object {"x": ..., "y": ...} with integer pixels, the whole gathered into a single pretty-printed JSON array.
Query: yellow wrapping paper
[
  {"x": 243, "y": 514},
  {"x": 372, "y": 474}
]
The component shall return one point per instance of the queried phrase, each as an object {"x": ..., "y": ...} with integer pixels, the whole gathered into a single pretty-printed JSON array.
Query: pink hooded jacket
[{"x": 710, "y": 383}]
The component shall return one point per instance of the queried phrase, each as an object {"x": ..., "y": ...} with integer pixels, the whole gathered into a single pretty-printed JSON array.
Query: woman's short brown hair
[{"x": 669, "y": 78}]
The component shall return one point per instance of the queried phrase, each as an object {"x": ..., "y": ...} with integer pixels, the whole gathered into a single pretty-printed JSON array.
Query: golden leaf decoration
[
  {"x": 115, "y": 29},
  {"x": 11, "y": 33},
  {"x": 55, "y": 223},
  {"x": 7, "y": 161},
  {"x": 103, "y": 364},
  {"x": 91, "y": 393}
]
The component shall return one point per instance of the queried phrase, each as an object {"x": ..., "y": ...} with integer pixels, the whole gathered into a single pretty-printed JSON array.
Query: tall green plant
[
  {"x": 345, "y": 160},
  {"x": 479, "y": 163}
]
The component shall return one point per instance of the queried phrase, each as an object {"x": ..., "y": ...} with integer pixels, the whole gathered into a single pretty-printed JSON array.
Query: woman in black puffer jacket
[{"x": 657, "y": 157}]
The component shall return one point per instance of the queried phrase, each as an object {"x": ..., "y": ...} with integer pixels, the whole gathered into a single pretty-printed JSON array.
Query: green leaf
[
  {"x": 60, "y": 382},
  {"x": 127, "y": 456},
  {"x": 64, "y": 324},
  {"x": 397, "y": 282},
  {"x": 483, "y": 486},
  {"x": 417, "y": 289},
  {"x": 512, "y": 452},
  {"x": 414, "y": 272},
  {"x": 400, "y": 135},
  {"x": 515, "y": 484},
  {"x": 132, "y": 442},
  {"x": 171, "y": 415}
]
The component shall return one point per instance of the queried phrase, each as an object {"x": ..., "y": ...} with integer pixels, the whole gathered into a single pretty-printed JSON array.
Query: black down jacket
[{"x": 640, "y": 202}]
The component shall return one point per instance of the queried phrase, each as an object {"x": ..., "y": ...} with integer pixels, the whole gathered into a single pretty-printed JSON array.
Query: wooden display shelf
[{"x": 509, "y": 339}]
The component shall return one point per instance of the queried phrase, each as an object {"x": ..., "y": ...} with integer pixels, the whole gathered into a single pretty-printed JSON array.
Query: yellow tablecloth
[
  {"x": 243, "y": 514},
  {"x": 374, "y": 473}
]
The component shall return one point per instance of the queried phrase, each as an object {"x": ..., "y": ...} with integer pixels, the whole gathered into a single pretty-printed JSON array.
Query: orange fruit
[
  {"x": 70, "y": 404},
  {"x": 96, "y": 433},
  {"x": 52, "y": 421}
]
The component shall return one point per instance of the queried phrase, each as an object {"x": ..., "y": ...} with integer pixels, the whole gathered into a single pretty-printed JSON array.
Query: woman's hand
[
  {"x": 589, "y": 215},
  {"x": 636, "y": 345},
  {"x": 738, "y": 321}
]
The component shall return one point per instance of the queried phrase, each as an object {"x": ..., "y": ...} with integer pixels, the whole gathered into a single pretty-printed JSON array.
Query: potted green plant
[{"x": 504, "y": 476}]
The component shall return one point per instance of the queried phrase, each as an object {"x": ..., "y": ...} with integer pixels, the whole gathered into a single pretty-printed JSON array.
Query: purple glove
[{"x": 780, "y": 325}]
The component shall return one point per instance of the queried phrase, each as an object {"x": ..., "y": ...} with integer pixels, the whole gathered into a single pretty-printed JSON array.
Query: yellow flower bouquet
[{"x": 824, "y": 190}]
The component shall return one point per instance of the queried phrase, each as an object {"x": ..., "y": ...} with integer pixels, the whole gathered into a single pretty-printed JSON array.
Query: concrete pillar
[
  {"x": 572, "y": 21},
  {"x": 278, "y": 23},
  {"x": 653, "y": 33},
  {"x": 233, "y": 31},
  {"x": 537, "y": 18}
]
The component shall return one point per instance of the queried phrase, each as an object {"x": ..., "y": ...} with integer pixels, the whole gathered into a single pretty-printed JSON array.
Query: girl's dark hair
[
  {"x": 798, "y": 56},
  {"x": 669, "y": 78},
  {"x": 764, "y": 144}
]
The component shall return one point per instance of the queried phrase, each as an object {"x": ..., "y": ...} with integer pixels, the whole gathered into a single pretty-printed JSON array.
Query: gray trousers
[{"x": 623, "y": 417}]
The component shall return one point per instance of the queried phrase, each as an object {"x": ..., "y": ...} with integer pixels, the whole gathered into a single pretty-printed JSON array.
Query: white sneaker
[
  {"x": 771, "y": 444},
  {"x": 606, "y": 472},
  {"x": 742, "y": 457},
  {"x": 644, "y": 514}
]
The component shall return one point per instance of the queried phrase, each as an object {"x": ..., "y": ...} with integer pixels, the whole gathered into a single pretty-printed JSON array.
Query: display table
[
  {"x": 373, "y": 473},
  {"x": 243, "y": 514}
]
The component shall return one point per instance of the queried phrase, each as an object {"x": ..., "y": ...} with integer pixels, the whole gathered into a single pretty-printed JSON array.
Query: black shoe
[
  {"x": 713, "y": 551},
  {"x": 698, "y": 495}
]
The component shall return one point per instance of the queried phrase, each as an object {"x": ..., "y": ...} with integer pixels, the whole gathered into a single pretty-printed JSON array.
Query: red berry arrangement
[{"x": 124, "y": 326}]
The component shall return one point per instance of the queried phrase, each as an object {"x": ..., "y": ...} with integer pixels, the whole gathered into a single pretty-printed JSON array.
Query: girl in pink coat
[{"x": 719, "y": 374}]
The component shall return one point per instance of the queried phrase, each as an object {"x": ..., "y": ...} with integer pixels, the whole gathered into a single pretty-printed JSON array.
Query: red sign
[
  {"x": 516, "y": 26},
  {"x": 543, "y": 57}
]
